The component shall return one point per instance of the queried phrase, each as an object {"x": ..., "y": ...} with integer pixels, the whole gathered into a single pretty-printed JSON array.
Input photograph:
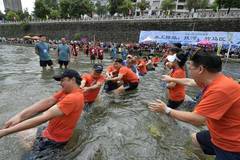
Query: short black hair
[
  {"x": 183, "y": 59},
  {"x": 175, "y": 50},
  {"x": 119, "y": 60},
  {"x": 209, "y": 60}
]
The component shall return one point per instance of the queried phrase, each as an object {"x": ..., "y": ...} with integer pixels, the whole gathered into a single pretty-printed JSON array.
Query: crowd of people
[{"x": 218, "y": 106}]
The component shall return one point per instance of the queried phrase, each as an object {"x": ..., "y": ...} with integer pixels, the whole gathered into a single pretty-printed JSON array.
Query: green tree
[
  {"x": 65, "y": 6},
  {"x": 52, "y": 4},
  {"x": 100, "y": 9},
  {"x": 54, "y": 14},
  {"x": 125, "y": 7},
  {"x": 143, "y": 5},
  {"x": 80, "y": 7},
  {"x": 23, "y": 15},
  {"x": 228, "y": 3},
  {"x": 41, "y": 10},
  {"x": 12, "y": 16},
  {"x": 113, "y": 6},
  {"x": 200, "y": 4},
  {"x": 168, "y": 5}
]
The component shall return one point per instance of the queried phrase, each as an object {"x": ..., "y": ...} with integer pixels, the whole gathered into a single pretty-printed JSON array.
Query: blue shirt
[
  {"x": 63, "y": 52},
  {"x": 43, "y": 51}
]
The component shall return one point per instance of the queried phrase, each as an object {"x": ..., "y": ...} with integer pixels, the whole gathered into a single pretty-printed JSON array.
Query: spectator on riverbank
[
  {"x": 42, "y": 50},
  {"x": 218, "y": 108}
]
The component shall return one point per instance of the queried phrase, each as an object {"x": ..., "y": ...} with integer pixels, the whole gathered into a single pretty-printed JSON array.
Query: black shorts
[
  {"x": 45, "y": 63},
  {"x": 44, "y": 148},
  {"x": 92, "y": 57},
  {"x": 65, "y": 63},
  {"x": 100, "y": 57},
  {"x": 174, "y": 104},
  {"x": 204, "y": 139},
  {"x": 130, "y": 86},
  {"x": 110, "y": 85}
]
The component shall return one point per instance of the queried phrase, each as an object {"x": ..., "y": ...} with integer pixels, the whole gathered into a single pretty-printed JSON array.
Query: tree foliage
[
  {"x": 125, "y": 7},
  {"x": 143, "y": 5},
  {"x": 113, "y": 6},
  {"x": 54, "y": 14},
  {"x": 100, "y": 9},
  {"x": 64, "y": 7},
  {"x": 200, "y": 4},
  {"x": 41, "y": 10},
  {"x": 168, "y": 5},
  {"x": 12, "y": 16},
  {"x": 227, "y": 3}
]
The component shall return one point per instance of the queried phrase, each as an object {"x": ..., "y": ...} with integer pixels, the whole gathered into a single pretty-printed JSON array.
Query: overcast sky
[{"x": 29, "y": 4}]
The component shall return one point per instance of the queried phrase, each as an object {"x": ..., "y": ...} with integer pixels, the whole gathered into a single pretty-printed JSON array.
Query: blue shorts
[{"x": 204, "y": 139}]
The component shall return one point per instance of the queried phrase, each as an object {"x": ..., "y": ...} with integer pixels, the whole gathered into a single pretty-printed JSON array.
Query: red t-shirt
[
  {"x": 220, "y": 104},
  {"x": 60, "y": 129},
  {"x": 91, "y": 95},
  {"x": 177, "y": 93},
  {"x": 93, "y": 51},
  {"x": 100, "y": 52},
  {"x": 128, "y": 75}
]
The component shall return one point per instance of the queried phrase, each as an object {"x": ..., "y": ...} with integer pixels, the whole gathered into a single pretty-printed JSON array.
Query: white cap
[{"x": 171, "y": 58}]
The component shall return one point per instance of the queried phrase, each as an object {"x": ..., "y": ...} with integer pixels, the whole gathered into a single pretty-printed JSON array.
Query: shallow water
[{"x": 118, "y": 128}]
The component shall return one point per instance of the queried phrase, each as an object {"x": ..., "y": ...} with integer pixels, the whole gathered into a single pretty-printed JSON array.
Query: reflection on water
[{"x": 119, "y": 127}]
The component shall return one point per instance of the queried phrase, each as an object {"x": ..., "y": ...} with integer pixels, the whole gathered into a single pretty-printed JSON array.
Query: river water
[{"x": 118, "y": 128}]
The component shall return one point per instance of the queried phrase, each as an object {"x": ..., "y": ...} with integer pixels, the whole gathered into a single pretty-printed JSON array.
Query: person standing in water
[
  {"x": 63, "y": 53},
  {"x": 176, "y": 92},
  {"x": 42, "y": 50}
]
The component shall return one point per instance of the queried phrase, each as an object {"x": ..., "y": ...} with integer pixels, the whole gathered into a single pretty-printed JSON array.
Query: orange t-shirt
[
  {"x": 220, "y": 104},
  {"x": 177, "y": 93},
  {"x": 128, "y": 75},
  {"x": 143, "y": 68},
  {"x": 60, "y": 129},
  {"x": 111, "y": 69},
  {"x": 91, "y": 95}
]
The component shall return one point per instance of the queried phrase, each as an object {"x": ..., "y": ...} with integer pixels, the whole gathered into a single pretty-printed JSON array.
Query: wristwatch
[{"x": 167, "y": 110}]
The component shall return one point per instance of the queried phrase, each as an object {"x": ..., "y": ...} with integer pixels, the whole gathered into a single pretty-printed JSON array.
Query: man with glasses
[{"x": 219, "y": 108}]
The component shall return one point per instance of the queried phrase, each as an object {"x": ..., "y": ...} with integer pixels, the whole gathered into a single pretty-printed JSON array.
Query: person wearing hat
[
  {"x": 62, "y": 110},
  {"x": 176, "y": 92},
  {"x": 91, "y": 84},
  {"x": 126, "y": 75},
  {"x": 42, "y": 50}
]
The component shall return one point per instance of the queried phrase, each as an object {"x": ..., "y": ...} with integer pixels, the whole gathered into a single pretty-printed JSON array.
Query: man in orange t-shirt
[
  {"x": 62, "y": 110},
  {"x": 142, "y": 68},
  {"x": 91, "y": 84},
  {"x": 126, "y": 75},
  {"x": 110, "y": 73},
  {"x": 219, "y": 108}
]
